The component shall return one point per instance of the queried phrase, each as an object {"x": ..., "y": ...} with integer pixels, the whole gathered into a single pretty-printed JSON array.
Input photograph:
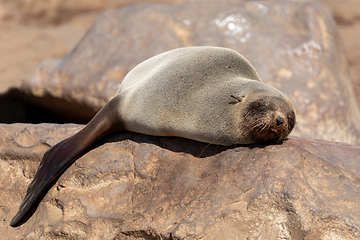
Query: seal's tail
[{"x": 63, "y": 154}]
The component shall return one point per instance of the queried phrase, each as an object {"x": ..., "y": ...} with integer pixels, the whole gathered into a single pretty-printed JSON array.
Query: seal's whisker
[
  {"x": 259, "y": 125},
  {"x": 265, "y": 126}
]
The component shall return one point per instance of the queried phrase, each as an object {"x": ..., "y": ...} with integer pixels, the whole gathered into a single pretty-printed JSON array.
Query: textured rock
[
  {"x": 347, "y": 16},
  {"x": 294, "y": 46},
  {"x": 132, "y": 186}
]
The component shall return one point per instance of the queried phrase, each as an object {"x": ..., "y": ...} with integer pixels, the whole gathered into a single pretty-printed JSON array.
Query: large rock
[
  {"x": 132, "y": 186},
  {"x": 294, "y": 46}
]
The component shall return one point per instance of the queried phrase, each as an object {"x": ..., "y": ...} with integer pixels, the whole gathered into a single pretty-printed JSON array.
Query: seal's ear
[{"x": 237, "y": 98}]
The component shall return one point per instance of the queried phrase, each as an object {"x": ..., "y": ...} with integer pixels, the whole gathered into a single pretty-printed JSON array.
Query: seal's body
[
  {"x": 208, "y": 94},
  {"x": 188, "y": 91}
]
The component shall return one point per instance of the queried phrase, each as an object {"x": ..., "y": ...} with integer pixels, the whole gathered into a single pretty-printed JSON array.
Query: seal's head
[
  {"x": 269, "y": 119},
  {"x": 267, "y": 116}
]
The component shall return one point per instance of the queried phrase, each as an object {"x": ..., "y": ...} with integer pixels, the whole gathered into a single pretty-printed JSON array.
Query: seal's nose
[{"x": 279, "y": 121}]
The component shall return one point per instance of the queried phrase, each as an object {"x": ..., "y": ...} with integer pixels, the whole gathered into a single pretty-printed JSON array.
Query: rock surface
[
  {"x": 294, "y": 46},
  {"x": 131, "y": 186},
  {"x": 347, "y": 16}
]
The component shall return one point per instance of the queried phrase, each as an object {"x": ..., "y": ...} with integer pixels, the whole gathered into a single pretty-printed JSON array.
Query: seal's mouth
[
  {"x": 269, "y": 132},
  {"x": 267, "y": 122}
]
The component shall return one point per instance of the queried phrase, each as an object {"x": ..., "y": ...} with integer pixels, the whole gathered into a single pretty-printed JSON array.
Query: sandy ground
[{"x": 31, "y": 32}]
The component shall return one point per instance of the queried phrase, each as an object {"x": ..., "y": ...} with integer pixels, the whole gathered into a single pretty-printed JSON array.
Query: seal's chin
[{"x": 269, "y": 134}]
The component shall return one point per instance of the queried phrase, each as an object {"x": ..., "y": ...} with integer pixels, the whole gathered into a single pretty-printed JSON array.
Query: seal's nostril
[{"x": 279, "y": 121}]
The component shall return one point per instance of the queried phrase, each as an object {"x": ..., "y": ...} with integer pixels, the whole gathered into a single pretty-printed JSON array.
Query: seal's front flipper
[{"x": 63, "y": 154}]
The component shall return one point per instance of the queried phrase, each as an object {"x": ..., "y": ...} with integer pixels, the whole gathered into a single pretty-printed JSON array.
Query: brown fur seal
[{"x": 209, "y": 94}]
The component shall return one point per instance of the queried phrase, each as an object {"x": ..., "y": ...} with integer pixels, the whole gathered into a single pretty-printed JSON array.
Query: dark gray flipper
[{"x": 63, "y": 154}]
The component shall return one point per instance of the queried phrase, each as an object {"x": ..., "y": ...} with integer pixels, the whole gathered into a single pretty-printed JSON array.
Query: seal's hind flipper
[
  {"x": 50, "y": 169},
  {"x": 62, "y": 155}
]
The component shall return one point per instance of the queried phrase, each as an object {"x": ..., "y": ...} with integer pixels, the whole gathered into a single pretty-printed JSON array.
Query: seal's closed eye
[{"x": 258, "y": 105}]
